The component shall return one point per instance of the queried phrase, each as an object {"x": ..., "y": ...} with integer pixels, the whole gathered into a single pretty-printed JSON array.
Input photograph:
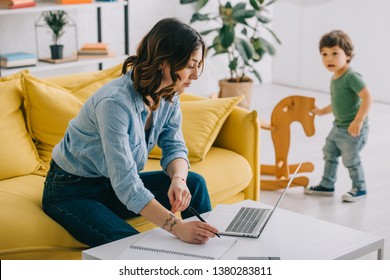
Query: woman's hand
[
  {"x": 194, "y": 232},
  {"x": 179, "y": 195}
]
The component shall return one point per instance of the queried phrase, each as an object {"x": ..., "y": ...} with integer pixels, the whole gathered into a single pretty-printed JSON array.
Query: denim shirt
[{"x": 107, "y": 138}]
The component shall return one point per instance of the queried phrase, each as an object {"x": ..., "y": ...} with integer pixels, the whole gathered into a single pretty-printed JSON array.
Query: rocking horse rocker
[{"x": 288, "y": 110}]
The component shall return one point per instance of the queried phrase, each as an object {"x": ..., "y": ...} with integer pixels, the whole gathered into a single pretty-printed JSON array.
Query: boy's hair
[{"x": 337, "y": 38}]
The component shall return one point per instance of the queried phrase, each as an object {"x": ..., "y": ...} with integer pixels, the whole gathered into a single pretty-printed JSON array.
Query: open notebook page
[{"x": 158, "y": 244}]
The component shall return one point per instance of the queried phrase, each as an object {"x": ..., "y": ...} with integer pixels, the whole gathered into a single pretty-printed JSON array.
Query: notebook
[
  {"x": 158, "y": 244},
  {"x": 245, "y": 221}
]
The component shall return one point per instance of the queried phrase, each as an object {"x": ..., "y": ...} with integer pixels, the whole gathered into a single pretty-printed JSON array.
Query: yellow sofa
[{"x": 34, "y": 114}]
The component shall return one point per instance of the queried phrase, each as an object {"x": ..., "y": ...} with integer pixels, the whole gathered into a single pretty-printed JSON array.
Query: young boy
[{"x": 350, "y": 103}]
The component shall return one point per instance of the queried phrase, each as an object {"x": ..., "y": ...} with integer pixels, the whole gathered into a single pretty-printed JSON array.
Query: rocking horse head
[{"x": 295, "y": 108}]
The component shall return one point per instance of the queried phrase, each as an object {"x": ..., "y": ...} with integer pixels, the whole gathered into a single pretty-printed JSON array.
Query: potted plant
[
  {"x": 56, "y": 21},
  {"x": 238, "y": 34}
]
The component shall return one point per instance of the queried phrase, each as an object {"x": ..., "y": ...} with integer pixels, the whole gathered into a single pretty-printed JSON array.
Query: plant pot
[
  {"x": 233, "y": 89},
  {"x": 57, "y": 51}
]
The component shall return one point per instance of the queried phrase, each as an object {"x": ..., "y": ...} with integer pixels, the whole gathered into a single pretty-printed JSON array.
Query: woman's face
[{"x": 187, "y": 75}]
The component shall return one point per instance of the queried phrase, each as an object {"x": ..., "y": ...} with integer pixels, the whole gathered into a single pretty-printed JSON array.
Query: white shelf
[
  {"x": 50, "y": 6},
  {"x": 45, "y": 5},
  {"x": 44, "y": 66}
]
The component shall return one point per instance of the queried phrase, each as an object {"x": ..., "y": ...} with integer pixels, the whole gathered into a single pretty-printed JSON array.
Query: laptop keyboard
[{"x": 246, "y": 220}]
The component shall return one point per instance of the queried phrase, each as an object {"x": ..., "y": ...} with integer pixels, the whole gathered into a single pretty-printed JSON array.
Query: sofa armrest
[{"x": 241, "y": 134}]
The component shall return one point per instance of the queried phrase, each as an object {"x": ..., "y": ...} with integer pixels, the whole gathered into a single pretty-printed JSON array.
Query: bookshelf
[{"x": 48, "y": 6}]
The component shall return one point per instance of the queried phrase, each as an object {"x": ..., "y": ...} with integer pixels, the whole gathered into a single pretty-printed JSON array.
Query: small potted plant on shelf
[
  {"x": 238, "y": 34},
  {"x": 56, "y": 21}
]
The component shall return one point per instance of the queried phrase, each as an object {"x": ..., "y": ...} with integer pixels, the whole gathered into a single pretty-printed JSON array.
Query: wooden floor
[{"x": 371, "y": 214}]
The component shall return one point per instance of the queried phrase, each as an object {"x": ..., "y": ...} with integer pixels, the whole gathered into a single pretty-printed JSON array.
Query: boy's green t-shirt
[{"x": 344, "y": 97}]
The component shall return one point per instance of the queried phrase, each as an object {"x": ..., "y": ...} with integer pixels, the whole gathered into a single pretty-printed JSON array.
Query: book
[
  {"x": 18, "y": 63},
  {"x": 64, "y": 2},
  {"x": 93, "y": 52},
  {"x": 11, "y": 5},
  {"x": 94, "y": 49},
  {"x": 158, "y": 244},
  {"x": 15, "y": 2},
  {"x": 17, "y": 59},
  {"x": 94, "y": 46},
  {"x": 16, "y": 56}
]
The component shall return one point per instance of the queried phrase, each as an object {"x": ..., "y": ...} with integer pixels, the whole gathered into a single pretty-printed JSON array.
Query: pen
[{"x": 193, "y": 211}]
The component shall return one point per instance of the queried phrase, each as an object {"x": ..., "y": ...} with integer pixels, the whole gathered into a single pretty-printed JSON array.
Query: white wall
[
  {"x": 301, "y": 25},
  {"x": 142, "y": 20},
  {"x": 17, "y": 33}
]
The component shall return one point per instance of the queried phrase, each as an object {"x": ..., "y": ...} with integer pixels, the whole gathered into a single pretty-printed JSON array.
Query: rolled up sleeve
[{"x": 171, "y": 139}]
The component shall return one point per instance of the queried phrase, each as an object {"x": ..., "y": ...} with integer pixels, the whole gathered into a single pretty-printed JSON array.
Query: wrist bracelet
[{"x": 178, "y": 177}]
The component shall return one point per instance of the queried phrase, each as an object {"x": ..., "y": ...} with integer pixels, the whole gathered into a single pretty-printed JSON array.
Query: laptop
[{"x": 245, "y": 221}]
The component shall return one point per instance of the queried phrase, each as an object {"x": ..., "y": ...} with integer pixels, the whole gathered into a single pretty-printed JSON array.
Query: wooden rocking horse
[{"x": 288, "y": 110}]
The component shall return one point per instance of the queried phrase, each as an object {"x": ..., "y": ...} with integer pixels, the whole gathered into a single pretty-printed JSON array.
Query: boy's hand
[
  {"x": 316, "y": 110},
  {"x": 355, "y": 128},
  {"x": 323, "y": 111}
]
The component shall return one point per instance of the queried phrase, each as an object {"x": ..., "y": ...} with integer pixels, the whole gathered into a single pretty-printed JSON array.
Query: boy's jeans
[
  {"x": 340, "y": 143},
  {"x": 90, "y": 210}
]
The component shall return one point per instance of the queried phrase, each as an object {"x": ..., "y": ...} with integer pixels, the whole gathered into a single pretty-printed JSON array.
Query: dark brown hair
[
  {"x": 337, "y": 38},
  {"x": 169, "y": 40}
]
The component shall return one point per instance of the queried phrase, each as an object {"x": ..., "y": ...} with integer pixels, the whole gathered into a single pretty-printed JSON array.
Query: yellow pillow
[
  {"x": 18, "y": 155},
  {"x": 202, "y": 121},
  {"x": 49, "y": 108},
  {"x": 83, "y": 85}
]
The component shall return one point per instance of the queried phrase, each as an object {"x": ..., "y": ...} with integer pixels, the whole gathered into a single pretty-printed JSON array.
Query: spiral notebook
[{"x": 158, "y": 244}]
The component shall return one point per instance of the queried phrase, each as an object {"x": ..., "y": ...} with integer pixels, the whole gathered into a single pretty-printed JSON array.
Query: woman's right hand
[{"x": 194, "y": 231}]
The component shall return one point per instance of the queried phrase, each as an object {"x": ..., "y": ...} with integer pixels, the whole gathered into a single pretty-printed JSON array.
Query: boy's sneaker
[
  {"x": 353, "y": 195},
  {"x": 319, "y": 190}
]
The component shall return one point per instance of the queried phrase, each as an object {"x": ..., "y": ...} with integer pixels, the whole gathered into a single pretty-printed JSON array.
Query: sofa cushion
[
  {"x": 23, "y": 195},
  {"x": 18, "y": 153},
  {"x": 202, "y": 121},
  {"x": 21, "y": 210},
  {"x": 227, "y": 173}
]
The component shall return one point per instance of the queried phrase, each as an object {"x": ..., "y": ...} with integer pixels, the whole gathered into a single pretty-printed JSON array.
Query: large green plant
[
  {"x": 56, "y": 20},
  {"x": 238, "y": 33}
]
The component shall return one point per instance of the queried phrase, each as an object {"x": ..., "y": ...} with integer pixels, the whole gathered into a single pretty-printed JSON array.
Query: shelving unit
[{"x": 46, "y": 6}]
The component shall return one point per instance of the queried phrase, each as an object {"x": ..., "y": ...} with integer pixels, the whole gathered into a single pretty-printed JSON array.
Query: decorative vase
[
  {"x": 233, "y": 89},
  {"x": 57, "y": 51}
]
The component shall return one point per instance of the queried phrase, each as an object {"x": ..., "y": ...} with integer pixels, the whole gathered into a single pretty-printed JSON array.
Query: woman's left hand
[{"x": 179, "y": 195}]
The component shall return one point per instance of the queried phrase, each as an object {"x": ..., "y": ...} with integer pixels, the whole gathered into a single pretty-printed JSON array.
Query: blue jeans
[
  {"x": 340, "y": 143},
  {"x": 90, "y": 211}
]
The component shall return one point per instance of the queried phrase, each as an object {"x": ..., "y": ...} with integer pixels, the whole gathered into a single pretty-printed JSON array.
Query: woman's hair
[
  {"x": 169, "y": 41},
  {"x": 337, "y": 38}
]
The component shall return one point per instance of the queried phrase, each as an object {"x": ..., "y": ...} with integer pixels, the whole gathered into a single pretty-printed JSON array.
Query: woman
[{"x": 94, "y": 181}]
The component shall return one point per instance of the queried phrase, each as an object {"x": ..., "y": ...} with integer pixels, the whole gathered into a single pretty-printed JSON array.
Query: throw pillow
[
  {"x": 18, "y": 154},
  {"x": 49, "y": 108},
  {"x": 202, "y": 121},
  {"x": 83, "y": 85}
]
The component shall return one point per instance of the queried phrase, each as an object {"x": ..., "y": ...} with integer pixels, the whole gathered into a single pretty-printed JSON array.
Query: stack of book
[
  {"x": 94, "y": 50},
  {"x": 73, "y": 1},
  {"x": 16, "y": 4},
  {"x": 17, "y": 59}
]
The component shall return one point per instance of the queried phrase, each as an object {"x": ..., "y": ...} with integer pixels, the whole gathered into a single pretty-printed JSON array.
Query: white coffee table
[{"x": 288, "y": 235}]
